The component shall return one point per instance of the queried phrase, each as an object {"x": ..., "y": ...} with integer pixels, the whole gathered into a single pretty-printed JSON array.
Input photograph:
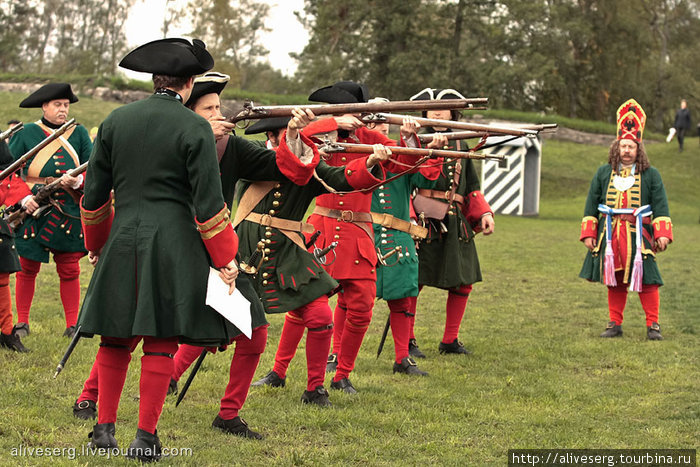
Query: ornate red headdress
[{"x": 630, "y": 121}]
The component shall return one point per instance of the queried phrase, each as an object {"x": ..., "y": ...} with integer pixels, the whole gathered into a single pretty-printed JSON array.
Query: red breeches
[
  {"x": 357, "y": 299},
  {"x": 5, "y": 304},
  {"x": 649, "y": 298},
  {"x": 400, "y": 318}
]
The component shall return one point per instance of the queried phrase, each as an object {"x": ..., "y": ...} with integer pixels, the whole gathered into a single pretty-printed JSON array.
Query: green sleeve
[
  {"x": 98, "y": 184},
  {"x": 470, "y": 176},
  {"x": 85, "y": 146},
  {"x": 659, "y": 201},
  {"x": 202, "y": 171},
  {"x": 18, "y": 145},
  {"x": 595, "y": 194}
]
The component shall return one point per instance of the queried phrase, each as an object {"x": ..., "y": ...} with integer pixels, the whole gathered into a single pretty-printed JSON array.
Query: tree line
[{"x": 577, "y": 58}]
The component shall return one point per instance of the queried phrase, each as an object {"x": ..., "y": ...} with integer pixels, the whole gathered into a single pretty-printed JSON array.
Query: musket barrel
[
  {"x": 433, "y": 122},
  {"x": 11, "y": 131},
  {"x": 35, "y": 150},
  {"x": 417, "y": 152},
  {"x": 252, "y": 112}
]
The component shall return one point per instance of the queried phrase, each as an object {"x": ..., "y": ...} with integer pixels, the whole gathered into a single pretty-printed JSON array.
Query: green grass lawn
[{"x": 539, "y": 376}]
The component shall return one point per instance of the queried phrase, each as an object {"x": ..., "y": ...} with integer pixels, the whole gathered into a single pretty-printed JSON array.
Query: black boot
[
  {"x": 69, "y": 332},
  {"x": 21, "y": 329},
  {"x": 344, "y": 385},
  {"x": 408, "y": 367},
  {"x": 102, "y": 436},
  {"x": 654, "y": 332},
  {"x": 454, "y": 347},
  {"x": 85, "y": 410},
  {"x": 612, "y": 330},
  {"x": 12, "y": 342},
  {"x": 172, "y": 387},
  {"x": 236, "y": 426},
  {"x": 413, "y": 349},
  {"x": 318, "y": 396},
  {"x": 332, "y": 363},
  {"x": 271, "y": 379},
  {"x": 145, "y": 447}
]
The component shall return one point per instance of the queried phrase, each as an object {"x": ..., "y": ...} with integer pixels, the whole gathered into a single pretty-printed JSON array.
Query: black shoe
[
  {"x": 271, "y": 379},
  {"x": 318, "y": 396},
  {"x": 413, "y": 349},
  {"x": 102, "y": 436},
  {"x": 236, "y": 426},
  {"x": 12, "y": 342},
  {"x": 69, "y": 332},
  {"x": 21, "y": 329},
  {"x": 172, "y": 387},
  {"x": 145, "y": 447},
  {"x": 455, "y": 347},
  {"x": 612, "y": 330},
  {"x": 344, "y": 385},
  {"x": 408, "y": 367},
  {"x": 85, "y": 410},
  {"x": 654, "y": 332},
  {"x": 332, "y": 363}
]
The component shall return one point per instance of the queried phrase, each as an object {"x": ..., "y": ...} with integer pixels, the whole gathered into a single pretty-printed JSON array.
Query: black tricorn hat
[
  {"x": 267, "y": 124},
  {"x": 209, "y": 83},
  {"x": 437, "y": 94},
  {"x": 342, "y": 92},
  {"x": 49, "y": 92},
  {"x": 171, "y": 57}
]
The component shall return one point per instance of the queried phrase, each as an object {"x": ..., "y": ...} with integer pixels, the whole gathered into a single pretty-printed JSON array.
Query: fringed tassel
[
  {"x": 609, "y": 267},
  {"x": 637, "y": 272}
]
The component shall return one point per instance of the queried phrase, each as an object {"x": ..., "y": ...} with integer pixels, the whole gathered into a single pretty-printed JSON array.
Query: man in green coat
[
  {"x": 57, "y": 230},
  {"x": 169, "y": 223}
]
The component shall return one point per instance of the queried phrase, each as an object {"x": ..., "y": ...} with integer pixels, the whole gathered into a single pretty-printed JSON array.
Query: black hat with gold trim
[
  {"x": 171, "y": 57},
  {"x": 49, "y": 92},
  {"x": 209, "y": 83},
  {"x": 342, "y": 92}
]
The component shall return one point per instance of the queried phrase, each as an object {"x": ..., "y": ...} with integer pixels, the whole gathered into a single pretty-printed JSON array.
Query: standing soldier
[
  {"x": 346, "y": 218},
  {"x": 12, "y": 190},
  {"x": 627, "y": 193},
  {"x": 447, "y": 256},
  {"x": 58, "y": 229}
]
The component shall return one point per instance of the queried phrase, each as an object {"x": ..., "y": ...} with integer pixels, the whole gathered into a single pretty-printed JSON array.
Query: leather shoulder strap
[{"x": 251, "y": 197}]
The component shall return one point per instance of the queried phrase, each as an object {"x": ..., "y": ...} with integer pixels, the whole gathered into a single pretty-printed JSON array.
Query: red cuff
[
  {"x": 96, "y": 224},
  {"x": 662, "y": 228},
  {"x": 431, "y": 168},
  {"x": 589, "y": 227},
  {"x": 323, "y": 125},
  {"x": 475, "y": 206},
  {"x": 290, "y": 165},
  {"x": 222, "y": 247},
  {"x": 16, "y": 190},
  {"x": 359, "y": 176}
]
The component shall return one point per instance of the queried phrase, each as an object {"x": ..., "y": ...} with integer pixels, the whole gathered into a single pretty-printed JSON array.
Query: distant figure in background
[
  {"x": 682, "y": 123},
  {"x": 627, "y": 194}
]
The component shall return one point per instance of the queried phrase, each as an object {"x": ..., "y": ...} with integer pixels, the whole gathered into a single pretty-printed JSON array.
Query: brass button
[
  {"x": 337, "y": 227},
  {"x": 63, "y": 226},
  {"x": 268, "y": 234},
  {"x": 264, "y": 282},
  {"x": 340, "y": 203},
  {"x": 34, "y": 235},
  {"x": 267, "y": 251},
  {"x": 383, "y": 242},
  {"x": 58, "y": 171},
  {"x": 268, "y": 241},
  {"x": 381, "y": 195},
  {"x": 349, "y": 172},
  {"x": 266, "y": 258},
  {"x": 383, "y": 235},
  {"x": 474, "y": 194},
  {"x": 277, "y": 194},
  {"x": 265, "y": 275},
  {"x": 381, "y": 201},
  {"x": 275, "y": 203},
  {"x": 372, "y": 271},
  {"x": 357, "y": 261},
  {"x": 272, "y": 212},
  {"x": 343, "y": 158},
  {"x": 336, "y": 237},
  {"x": 383, "y": 229},
  {"x": 277, "y": 185}
]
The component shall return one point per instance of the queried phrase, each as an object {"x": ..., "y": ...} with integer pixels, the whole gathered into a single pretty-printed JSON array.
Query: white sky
[{"x": 287, "y": 34}]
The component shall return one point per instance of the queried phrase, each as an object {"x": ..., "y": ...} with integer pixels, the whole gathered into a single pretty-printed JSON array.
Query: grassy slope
[{"x": 539, "y": 376}]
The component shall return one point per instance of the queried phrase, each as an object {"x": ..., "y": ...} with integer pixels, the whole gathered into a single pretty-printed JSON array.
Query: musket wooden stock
[
  {"x": 15, "y": 217},
  {"x": 433, "y": 122},
  {"x": 11, "y": 131},
  {"x": 417, "y": 152},
  {"x": 428, "y": 137},
  {"x": 253, "y": 112},
  {"x": 19, "y": 163}
]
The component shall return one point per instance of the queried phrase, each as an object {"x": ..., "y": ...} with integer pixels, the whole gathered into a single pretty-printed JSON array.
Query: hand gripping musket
[
  {"x": 7, "y": 134},
  {"x": 428, "y": 137},
  {"x": 329, "y": 148},
  {"x": 69, "y": 351},
  {"x": 455, "y": 125},
  {"x": 15, "y": 215},
  {"x": 190, "y": 378},
  {"x": 19, "y": 163},
  {"x": 254, "y": 112}
]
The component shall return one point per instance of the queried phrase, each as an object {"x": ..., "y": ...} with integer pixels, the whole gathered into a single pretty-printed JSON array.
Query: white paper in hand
[{"x": 235, "y": 308}]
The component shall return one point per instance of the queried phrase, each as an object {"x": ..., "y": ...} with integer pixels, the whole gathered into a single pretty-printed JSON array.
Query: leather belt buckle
[
  {"x": 447, "y": 194},
  {"x": 346, "y": 216},
  {"x": 266, "y": 220}
]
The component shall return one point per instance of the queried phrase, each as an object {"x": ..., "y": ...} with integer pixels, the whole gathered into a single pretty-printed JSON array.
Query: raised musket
[
  {"x": 394, "y": 119},
  {"x": 15, "y": 215},
  {"x": 19, "y": 163},
  {"x": 7, "y": 134},
  {"x": 454, "y": 135},
  {"x": 255, "y": 112},
  {"x": 330, "y": 148}
]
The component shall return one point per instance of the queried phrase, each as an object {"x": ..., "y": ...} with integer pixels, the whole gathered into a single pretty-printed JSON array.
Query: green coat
[
  {"x": 9, "y": 260},
  {"x": 401, "y": 279},
  {"x": 56, "y": 230},
  {"x": 291, "y": 277},
  {"x": 151, "y": 278},
  {"x": 448, "y": 260},
  {"x": 651, "y": 191}
]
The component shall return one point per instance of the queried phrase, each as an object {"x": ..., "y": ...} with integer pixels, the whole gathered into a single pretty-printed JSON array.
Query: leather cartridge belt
[
  {"x": 360, "y": 219},
  {"x": 441, "y": 195},
  {"x": 278, "y": 223},
  {"x": 630, "y": 218},
  {"x": 391, "y": 222}
]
